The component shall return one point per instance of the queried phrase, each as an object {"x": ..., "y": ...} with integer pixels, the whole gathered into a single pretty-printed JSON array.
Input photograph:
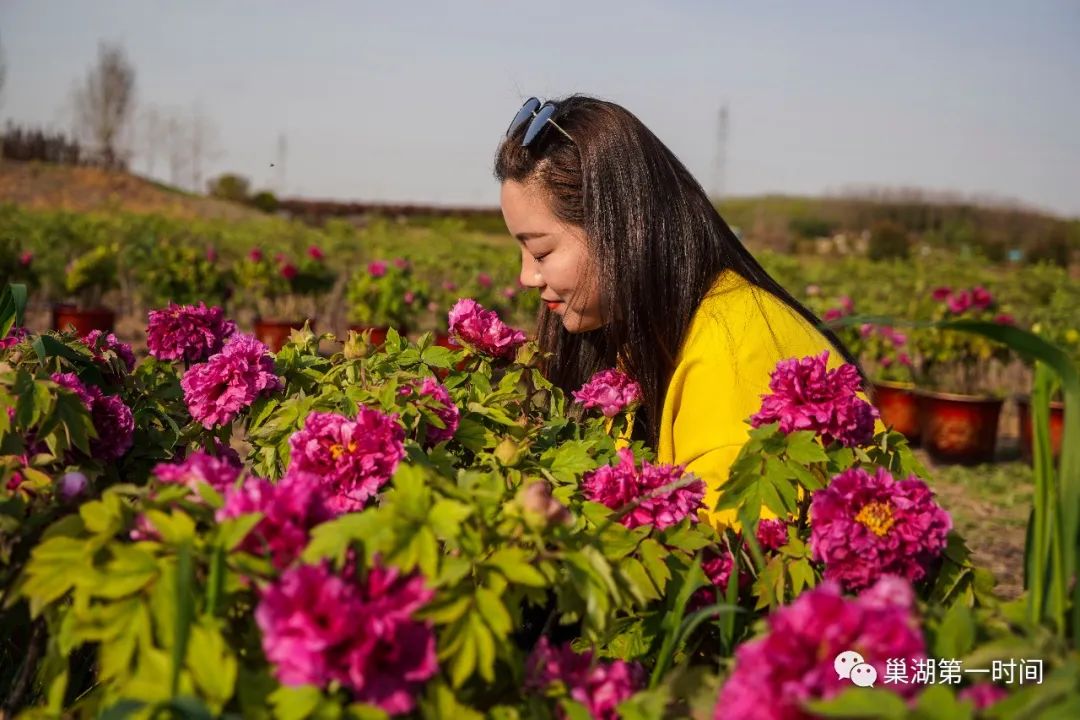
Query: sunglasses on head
[{"x": 541, "y": 116}]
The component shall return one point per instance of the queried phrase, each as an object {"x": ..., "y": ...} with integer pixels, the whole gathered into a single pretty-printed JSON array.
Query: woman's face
[{"x": 554, "y": 258}]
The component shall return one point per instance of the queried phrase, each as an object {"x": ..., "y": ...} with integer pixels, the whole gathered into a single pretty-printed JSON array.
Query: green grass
[{"x": 990, "y": 505}]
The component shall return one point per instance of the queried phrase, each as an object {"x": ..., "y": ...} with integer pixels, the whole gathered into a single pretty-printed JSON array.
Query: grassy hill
[{"x": 42, "y": 186}]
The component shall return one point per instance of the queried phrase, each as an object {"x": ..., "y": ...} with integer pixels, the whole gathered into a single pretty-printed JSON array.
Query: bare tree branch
[{"x": 105, "y": 102}]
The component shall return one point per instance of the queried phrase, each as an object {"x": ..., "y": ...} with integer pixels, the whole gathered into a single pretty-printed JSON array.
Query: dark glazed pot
[
  {"x": 83, "y": 321},
  {"x": 899, "y": 408},
  {"x": 1057, "y": 427},
  {"x": 958, "y": 428}
]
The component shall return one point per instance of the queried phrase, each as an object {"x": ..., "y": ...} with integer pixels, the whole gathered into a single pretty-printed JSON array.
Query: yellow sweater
[{"x": 736, "y": 337}]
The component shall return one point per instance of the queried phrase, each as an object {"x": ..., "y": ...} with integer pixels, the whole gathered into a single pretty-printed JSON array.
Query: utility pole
[{"x": 720, "y": 164}]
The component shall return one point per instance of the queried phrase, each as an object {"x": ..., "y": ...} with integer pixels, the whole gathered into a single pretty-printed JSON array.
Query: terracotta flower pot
[
  {"x": 275, "y": 333},
  {"x": 83, "y": 321},
  {"x": 958, "y": 428},
  {"x": 378, "y": 332},
  {"x": 899, "y": 407},
  {"x": 1057, "y": 427}
]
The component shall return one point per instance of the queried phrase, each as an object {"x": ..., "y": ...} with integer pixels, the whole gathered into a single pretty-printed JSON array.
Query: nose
[{"x": 530, "y": 276}]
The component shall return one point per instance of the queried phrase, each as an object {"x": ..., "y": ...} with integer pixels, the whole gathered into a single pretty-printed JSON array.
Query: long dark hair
[{"x": 657, "y": 241}]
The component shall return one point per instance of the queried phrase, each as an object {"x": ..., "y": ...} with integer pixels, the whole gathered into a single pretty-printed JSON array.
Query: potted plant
[
  {"x": 887, "y": 360},
  {"x": 86, "y": 280},
  {"x": 384, "y": 295},
  {"x": 284, "y": 295},
  {"x": 183, "y": 274},
  {"x": 958, "y": 410}
]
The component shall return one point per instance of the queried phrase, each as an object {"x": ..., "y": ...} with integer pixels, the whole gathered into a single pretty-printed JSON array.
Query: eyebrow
[{"x": 522, "y": 237}]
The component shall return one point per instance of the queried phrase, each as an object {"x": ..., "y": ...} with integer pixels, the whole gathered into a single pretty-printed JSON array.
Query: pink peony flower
[
  {"x": 445, "y": 409},
  {"x": 409, "y": 297},
  {"x": 187, "y": 332},
  {"x": 211, "y": 254},
  {"x": 353, "y": 458},
  {"x": 72, "y": 382},
  {"x": 483, "y": 330},
  {"x": 793, "y": 662},
  {"x": 509, "y": 293},
  {"x": 866, "y": 526},
  {"x": 14, "y": 337},
  {"x": 484, "y": 280},
  {"x": 229, "y": 381},
  {"x": 610, "y": 390},
  {"x": 942, "y": 293},
  {"x": 832, "y": 314},
  {"x": 772, "y": 534},
  {"x": 449, "y": 285},
  {"x": 25, "y": 258},
  {"x": 290, "y": 509},
  {"x": 109, "y": 342},
  {"x": 320, "y": 627},
  {"x": 288, "y": 271},
  {"x": 981, "y": 298},
  {"x": 599, "y": 685},
  {"x": 1004, "y": 319},
  {"x": 617, "y": 485},
  {"x": 959, "y": 303},
  {"x": 255, "y": 255},
  {"x": 115, "y": 426},
  {"x": 200, "y": 467},
  {"x": 315, "y": 253},
  {"x": 983, "y": 695},
  {"x": 401, "y": 263},
  {"x": 806, "y": 395},
  {"x": 376, "y": 268}
]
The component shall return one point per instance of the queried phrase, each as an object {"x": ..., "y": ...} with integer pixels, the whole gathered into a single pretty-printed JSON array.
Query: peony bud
[
  {"x": 355, "y": 347},
  {"x": 72, "y": 486},
  {"x": 540, "y": 507}
]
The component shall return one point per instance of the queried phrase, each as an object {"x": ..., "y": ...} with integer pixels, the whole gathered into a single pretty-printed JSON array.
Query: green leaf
[
  {"x": 493, "y": 611},
  {"x": 516, "y": 566},
  {"x": 804, "y": 448},
  {"x": 956, "y": 634},
  {"x": 12, "y": 307},
  {"x": 859, "y": 702},
  {"x": 447, "y": 516},
  {"x": 185, "y": 610}
]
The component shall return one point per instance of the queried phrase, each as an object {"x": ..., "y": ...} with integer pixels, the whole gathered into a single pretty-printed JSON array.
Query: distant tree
[
  {"x": 3, "y": 71},
  {"x": 105, "y": 102},
  {"x": 264, "y": 200},
  {"x": 888, "y": 240},
  {"x": 230, "y": 187}
]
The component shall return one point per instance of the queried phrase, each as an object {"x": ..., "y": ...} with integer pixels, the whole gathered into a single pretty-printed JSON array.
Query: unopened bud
[
  {"x": 72, "y": 486},
  {"x": 536, "y": 501},
  {"x": 355, "y": 347}
]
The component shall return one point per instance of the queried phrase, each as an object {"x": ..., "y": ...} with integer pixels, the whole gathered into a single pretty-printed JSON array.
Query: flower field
[{"x": 195, "y": 524}]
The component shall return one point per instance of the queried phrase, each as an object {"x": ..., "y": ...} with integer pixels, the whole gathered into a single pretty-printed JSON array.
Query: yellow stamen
[{"x": 877, "y": 517}]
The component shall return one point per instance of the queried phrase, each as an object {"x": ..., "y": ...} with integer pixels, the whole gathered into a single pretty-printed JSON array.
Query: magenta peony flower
[
  {"x": 25, "y": 258},
  {"x": 866, "y": 526},
  {"x": 446, "y": 410},
  {"x": 109, "y": 342},
  {"x": 610, "y": 390},
  {"x": 409, "y": 297},
  {"x": 793, "y": 662},
  {"x": 483, "y": 280},
  {"x": 290, "y": 509},
  {"x": 72, "y": 382},
  {"x": 376, "y": 268},
  {"x": 806, "y": 395},
  {"x": 229, "y": 381},
  {"x": 981, "y": 298},
  {"x": 598, "y": 685},
  {"x": 218, "y": 472},
  {"x": 319, "y": 627},
  {"x": 483, "y": 330},
  {"x": 115, "y": 426},
  {"x": 401, "y": 263},
  {"x": 187, "y": 332},
  {"x": 942, "y": 293},
  {"x": 288, "y": 271},
  {"x": 449, "y": 285},
  {"x": 1004, "y": 319},
  {"x": 14, "y": 337},
  {"x": 617, "y": 485},
  {"x": 983, "y": 695},
  {"x": 509, "y": 293},
  {"x": 959, "y": 303},
  {"x": 772, "y": 534},
  {"x": 211, "y": 254},
  {"x": 255, "y": 255},
  {"x": 315, "y": 253},
  {"x": 353, "y": 458}
]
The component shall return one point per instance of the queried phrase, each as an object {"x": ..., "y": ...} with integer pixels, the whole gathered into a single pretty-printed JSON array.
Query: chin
[{"x": 576, "y": 324}]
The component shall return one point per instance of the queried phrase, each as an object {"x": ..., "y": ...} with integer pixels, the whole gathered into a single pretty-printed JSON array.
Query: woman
[{"x": 638, "y": 270}]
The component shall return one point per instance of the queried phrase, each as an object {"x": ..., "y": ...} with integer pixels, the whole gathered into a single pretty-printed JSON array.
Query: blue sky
[{"x": 407, "y": 101}]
